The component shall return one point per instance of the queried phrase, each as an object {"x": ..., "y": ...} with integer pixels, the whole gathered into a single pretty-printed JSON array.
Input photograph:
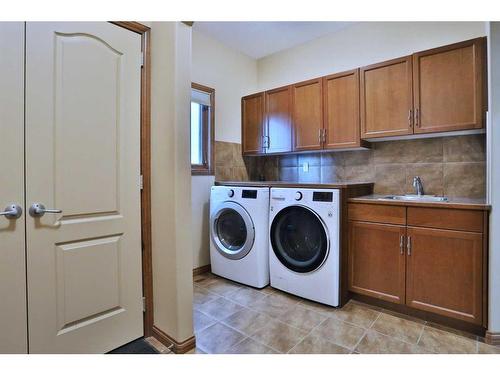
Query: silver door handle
[
  {"x": 38, "y": 210},
  {"x": 401, "y": 242},
  {"x": 408, "y": 245},
  {"x": 12, "y": 211}
]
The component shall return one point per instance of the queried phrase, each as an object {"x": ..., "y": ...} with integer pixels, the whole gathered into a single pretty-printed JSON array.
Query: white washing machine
[
  {"x": 304, "y": 243},
  {"x": 239, "y": 234}
]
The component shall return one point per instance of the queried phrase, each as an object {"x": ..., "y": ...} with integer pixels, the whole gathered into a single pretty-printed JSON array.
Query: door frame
[{"x": 147, "y": 262}]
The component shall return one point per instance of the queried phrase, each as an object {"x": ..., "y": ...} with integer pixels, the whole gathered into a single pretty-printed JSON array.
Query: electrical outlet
[{"x": 305, "y": 167}]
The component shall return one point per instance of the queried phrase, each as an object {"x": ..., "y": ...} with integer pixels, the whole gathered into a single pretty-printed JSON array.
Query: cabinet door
[
  {"x": 252, "y": 123},
  {"x": 377, "y": 260},
  {"x": 449, "y": 87},
  {"x": 307, "y": 104},
  {"x": 444, "y": 273},
  {"x": 386, "y": 99},
  {"x": 278, "y": 120},
  {"x": 341, "y": 110}
]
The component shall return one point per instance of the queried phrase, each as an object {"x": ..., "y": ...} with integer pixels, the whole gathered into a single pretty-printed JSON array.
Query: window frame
[{"x": 207, "y": 139}]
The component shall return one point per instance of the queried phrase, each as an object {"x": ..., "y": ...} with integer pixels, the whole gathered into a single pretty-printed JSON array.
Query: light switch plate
[{"x": 305, "y": 167}]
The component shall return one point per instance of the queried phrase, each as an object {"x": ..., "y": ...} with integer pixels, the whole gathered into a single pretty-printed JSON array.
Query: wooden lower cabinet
[
  {"x": 377, "y": 260},
  {"x": 420, "y": 260},
  {"x": 444, "y": 272}
]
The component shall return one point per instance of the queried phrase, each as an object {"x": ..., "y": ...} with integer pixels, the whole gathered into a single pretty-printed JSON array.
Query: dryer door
[
  {"x": 232, "y": 230},
  {"x": 299, "y": 239}
]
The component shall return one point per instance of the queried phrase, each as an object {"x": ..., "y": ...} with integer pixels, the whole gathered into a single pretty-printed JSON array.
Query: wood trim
[
  {"x": 136, "y": 27},
  {"x": 492, "y": 338},
  {"x": 178, "y": 347},
  {"x": 201, "y": 270},
  {"x": 147, "y": 259},
  {"x": 208, "y": 137}
]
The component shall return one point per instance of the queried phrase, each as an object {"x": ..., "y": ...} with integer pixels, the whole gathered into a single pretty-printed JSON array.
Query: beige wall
[
  {"x": 360, "y": 44},
  {"x": 171, "y": 178},
  {"x": 232, "y": 75},
  {"x": 200, "y": 196}
]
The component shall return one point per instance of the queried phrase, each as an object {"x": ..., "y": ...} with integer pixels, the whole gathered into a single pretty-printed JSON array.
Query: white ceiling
[{"x": 259, "y": 39}]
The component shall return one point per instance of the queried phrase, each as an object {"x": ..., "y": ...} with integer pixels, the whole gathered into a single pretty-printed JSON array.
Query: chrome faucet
[{"x": 417, "y": 184}]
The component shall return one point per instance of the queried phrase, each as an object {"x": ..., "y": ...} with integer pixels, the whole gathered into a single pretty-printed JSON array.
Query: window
[{"x": 202, "y": 129}]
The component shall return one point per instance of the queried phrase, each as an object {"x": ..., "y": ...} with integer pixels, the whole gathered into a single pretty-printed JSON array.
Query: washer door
[
  {"x": 299, "y": 239},
  {"x": 233, "y": 232}
]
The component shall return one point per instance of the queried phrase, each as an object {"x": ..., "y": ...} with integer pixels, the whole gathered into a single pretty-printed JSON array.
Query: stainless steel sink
[{"x": 417, "y": 198}]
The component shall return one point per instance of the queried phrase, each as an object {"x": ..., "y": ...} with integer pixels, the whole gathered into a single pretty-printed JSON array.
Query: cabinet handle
[
  {"x": 417, "y": 120},
  {"x": 408, "y": 245},
  {"x": 324, "y": 135},
  {"x": 401, "y": 247},
  {"x": 320, "y": 135},
  {"x": 410, "y": 117}
]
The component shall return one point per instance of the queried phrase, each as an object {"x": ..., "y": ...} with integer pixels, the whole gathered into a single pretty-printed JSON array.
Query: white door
[
  {"x": 83, "y": 158},
  {"x": 13, "y": 332}
]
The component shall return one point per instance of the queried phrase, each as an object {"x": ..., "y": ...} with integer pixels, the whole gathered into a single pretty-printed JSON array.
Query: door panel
[
  {"x": 307, "y": 115},
  {"x": 444, "y": 271},
  {"x": 278, "y": 120},
  {"x": 341, "y": 95},
  {"x": 386, "y": 99},
  {"x": 252, "y": 117},
  {"x": 449, "y": 87},
  {"x": 83, "y": 157},
  {"x": 13, "y": 323},
  {"x": 377, "y": 260}
]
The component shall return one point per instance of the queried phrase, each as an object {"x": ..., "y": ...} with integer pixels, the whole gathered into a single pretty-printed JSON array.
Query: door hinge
[
  {"x": 142, "y": 59},
  {"x": 141, "y": 182},
  {"x": 143, "y": 304}
]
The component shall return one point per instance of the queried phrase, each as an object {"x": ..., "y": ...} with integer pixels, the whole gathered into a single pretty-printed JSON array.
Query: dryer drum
[{"x": 299, "y": 239}]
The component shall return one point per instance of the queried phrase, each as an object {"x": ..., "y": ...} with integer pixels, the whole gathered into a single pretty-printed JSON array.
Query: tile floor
[{"x": 232, "y": 318}]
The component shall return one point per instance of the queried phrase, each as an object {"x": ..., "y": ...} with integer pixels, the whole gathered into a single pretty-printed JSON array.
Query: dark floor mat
[{"x": 139, "y": 346}]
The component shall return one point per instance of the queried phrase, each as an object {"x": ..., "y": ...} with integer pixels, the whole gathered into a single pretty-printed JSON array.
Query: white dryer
[
  {"x": 304, "y": 243},
  {"x": 239, "y": 234}
]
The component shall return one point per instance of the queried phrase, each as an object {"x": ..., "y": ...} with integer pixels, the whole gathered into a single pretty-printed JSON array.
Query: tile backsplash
[{"x": 454, "y": 166}]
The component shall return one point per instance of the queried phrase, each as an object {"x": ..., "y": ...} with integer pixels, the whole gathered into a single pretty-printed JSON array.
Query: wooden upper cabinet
[
  {"x": 252, "y": 124},
  {"x": 278, "y": 120},
  {"x": 445, "y": 273},
  {"x": 449, "y": 87},
  {"x": 307, "y": 104},
  {"x": 341, "y": 110},
  {"x": 386, "y": 98},
  {"x": 377, "y": 260}
]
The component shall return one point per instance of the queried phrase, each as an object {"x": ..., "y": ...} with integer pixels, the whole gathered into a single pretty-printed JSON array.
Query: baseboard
[
  {"x": 174, "y": 345},
  {"x": 201, "y": 270},
  {"x": 492, "y": 338}
]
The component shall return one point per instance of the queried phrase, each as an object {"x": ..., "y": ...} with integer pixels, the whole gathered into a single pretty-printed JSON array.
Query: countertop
[
  {"x": 305, "y": 185},
  {"x": 460, "y": 203}
]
